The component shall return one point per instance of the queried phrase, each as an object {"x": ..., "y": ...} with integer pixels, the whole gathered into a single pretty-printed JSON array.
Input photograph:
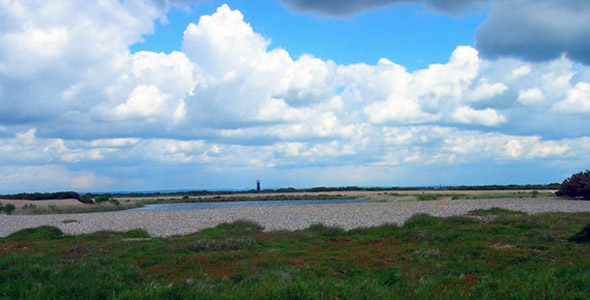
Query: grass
[
  {"x": 509, "y": 256},
  {"x": 449, "y": 195},
  {"x": 112, "y": 205}
]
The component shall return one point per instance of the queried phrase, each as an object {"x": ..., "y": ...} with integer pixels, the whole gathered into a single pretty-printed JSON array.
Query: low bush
[
  {"x": 576, "y": 186},
  {"x": 9, "y": 208},
  {"x": 99, "y": 199},
  {"x": 224, "y": 244},
  {"x": 86, "y": 199},
  {"x": 427, "y": 197},
  {"x": 43, "y": 233},
  {"x": 581, "y": 237},
  {"x": 136, "y": 234}
]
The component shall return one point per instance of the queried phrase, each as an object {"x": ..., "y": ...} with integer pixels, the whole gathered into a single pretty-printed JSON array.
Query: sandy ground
[
  {"x": 351, "y": 194},
  {"x": 373, "y": 195},
  {"x": 44, "y": 203}
]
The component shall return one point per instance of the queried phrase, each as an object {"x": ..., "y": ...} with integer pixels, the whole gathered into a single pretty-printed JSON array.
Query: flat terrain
[
  {"x": 485, "y": 254},
  {"x": 345, "y": 216}
]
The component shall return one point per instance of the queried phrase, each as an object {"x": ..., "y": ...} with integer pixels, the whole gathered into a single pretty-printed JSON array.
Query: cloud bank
[
  {"x": 77, "y": 105},
  {"x": 530, "y": 30}
]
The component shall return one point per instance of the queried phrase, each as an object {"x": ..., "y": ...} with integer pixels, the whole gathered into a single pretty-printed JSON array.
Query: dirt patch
[{"x": 502, "y": 246}]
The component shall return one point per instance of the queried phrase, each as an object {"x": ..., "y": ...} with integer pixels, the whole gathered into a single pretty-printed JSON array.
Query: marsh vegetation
[{"x": 496, "y": 254}]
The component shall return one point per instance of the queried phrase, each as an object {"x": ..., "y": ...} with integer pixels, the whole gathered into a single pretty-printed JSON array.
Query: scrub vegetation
[
  {"x": 577, "y": 186},
  {"x": 496, "y": 253},
  {"x": 114, "y": 202},
  {"x": 450, "y": 195}
]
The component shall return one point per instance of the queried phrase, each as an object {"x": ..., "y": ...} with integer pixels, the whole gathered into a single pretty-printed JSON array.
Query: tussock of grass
[
  {"x": 427, "y": 197},
  {"x": 135, "y": 234},
  {"x": 583, "y": 236},
  {"x": 238, "y": 228},
  {"x": 422, "y": 221},
  {"x": 43, "y": 233},
  {"x": 495, "y": 211},
  {"x": 225, "y": 244}
]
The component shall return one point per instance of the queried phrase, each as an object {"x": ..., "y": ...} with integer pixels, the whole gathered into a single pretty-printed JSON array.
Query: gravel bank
[{"x": 346, "y": 216}]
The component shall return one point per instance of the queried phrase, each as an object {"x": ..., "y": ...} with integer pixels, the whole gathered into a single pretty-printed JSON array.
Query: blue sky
[
  {"x": 408, "y": 34},
  {"x": 176, "y": 94}
]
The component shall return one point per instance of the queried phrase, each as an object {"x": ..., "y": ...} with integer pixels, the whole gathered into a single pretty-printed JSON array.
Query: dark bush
[
  {"x": 86, "y": 199},
  {"x": 581, "y": 237},
  {"x": 576, "y": 186},
  {"x": 43, "y": 196}
]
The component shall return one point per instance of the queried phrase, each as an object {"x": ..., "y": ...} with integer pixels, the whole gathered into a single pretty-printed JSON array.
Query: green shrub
[
  {"x": 99, "y": 199},
  {"x": 43, "y": 233},
  {"x": 581, "y": 237},
  {"x": 427, "y": 197},
  {"x": 1, "y": 207},
  {"x": 224, "y": 244},
  {"x": 9, "y": 208},
  {"x": 136, "y": 234},
  {"x": 576, "y": 186},
  {"x": 114, "y": 201},
  {"x": 422, "y": 221}
]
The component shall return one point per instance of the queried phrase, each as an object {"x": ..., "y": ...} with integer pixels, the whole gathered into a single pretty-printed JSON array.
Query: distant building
[{"x": 258, "y": 185}]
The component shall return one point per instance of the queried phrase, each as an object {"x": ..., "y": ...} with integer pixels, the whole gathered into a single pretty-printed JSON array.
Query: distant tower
[{"x": 258, "y": 185}]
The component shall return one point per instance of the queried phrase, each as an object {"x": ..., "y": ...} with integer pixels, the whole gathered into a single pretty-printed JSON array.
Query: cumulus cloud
[
  {"x": 228, "y": 102},
  {"x": 577, "y": 99},
  {"x": 487, "y": 117},
  {"x": 486, "y": 91},
  {"x": 530, "y": 96}
]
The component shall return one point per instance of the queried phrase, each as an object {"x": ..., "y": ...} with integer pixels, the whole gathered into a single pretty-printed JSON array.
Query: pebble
[{"x": 345, "y": 216}]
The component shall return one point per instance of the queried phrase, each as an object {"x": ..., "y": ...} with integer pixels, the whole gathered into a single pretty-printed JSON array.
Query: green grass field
[{"x": 493, "y": 254}]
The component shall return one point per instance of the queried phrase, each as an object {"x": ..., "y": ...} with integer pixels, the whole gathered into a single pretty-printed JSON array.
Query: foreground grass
[{"x": 495, "y": 254}]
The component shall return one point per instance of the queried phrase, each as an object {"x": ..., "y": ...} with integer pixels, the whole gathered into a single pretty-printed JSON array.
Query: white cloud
[
  {"x": 145, "y": 102},
  {"x": 530, "y": 96},
  {"x": 486, "y": 117},
  {"x": 397, "y": 110},
  {"x": 485, "y": 90},
  {"x": 48, "y": 178},
  {"x": 520, "y": 72},
  {"x": 577, "y": 99},
  {"x": 228, "y": 102}
]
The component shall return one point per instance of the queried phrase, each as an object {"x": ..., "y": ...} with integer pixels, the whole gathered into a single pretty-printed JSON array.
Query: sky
[{"x": 140, "y": 95}]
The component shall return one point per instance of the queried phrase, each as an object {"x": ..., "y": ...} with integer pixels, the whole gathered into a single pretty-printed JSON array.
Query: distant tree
[
  {"x": 86, "y": 199},
  {"x": 576, "y": 186}
]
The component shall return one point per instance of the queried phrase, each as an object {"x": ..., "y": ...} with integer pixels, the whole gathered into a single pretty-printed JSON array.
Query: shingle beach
[{"x": 345, "y": 216}]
